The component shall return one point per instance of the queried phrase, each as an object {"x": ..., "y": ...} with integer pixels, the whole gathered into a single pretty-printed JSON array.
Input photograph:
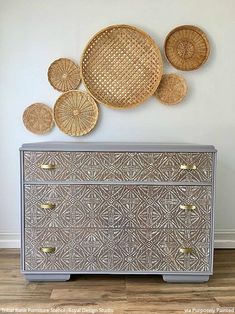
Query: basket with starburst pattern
[
  {"x": 172, "y": 89},
  {"x": 121, "y": 66},
  {"x": 64, "y": 75},
  {"x": 75, "y": 113},
  {"x": 187, "y": 47},
  {"x": 38, "y": 118}
]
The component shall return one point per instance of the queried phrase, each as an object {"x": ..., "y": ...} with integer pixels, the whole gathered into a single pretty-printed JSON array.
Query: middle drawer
[{"x": 118, "y": 206}]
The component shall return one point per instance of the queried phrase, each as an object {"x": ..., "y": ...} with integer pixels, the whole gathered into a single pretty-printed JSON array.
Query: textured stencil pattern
[
  {"x": 116, "y": 249},
  {"x": 117, "y": 206},
  {"x": 102, "y": 166}
]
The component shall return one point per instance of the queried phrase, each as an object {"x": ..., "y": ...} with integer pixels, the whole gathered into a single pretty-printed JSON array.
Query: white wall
[{"x": 34, "y": 33}]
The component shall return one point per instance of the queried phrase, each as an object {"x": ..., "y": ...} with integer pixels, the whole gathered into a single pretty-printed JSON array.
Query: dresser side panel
[
  {"x": 213, "y": 209},
  {"x": 22, "y": 211}
]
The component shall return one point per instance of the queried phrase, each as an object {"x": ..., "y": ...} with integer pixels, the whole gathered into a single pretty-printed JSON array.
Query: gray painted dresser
[{"x": 121, "y": 208}]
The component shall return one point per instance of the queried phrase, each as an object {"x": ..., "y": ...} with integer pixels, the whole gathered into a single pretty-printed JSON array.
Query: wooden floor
[{"x": 117, "y": 294}]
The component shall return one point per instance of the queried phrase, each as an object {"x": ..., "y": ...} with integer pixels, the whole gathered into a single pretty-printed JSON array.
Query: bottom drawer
[{"x": 117, "y": 250}]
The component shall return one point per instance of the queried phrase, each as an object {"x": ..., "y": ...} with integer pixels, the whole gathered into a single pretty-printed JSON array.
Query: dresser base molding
[
  {"x": 47, "y": 277},
  {"x": 185, "y": 278},
  {"x": 178, "y": 278}
]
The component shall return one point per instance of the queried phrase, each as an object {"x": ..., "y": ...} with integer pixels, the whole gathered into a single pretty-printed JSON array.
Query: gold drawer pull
[
  {"x": 48, "y": 206},
  {"x": 186, "y": 250},
  {"x": 48, "y": 166},
  {"x": 47, "y": 249},
  {"x": 188, "y": 207},
  {"x": 188, "y": 167}
]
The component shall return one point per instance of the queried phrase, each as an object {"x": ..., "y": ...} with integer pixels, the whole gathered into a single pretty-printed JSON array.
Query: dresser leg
[
  {"x": 185, "y": 278},
  {"x": 47, "y": 277}
]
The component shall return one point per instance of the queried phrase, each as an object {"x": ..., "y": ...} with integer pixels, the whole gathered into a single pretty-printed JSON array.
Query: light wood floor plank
[{"x": 134, "y": 294}]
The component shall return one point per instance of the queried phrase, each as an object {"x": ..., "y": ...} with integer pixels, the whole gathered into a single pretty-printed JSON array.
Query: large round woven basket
[
  {"x": 75, "y": 113},
  {"x": 121, "y": 66},
  {"x": 38, "y": 118},
  {"x": 187, "y": 47},
  {"x": 64, "y": 75}
]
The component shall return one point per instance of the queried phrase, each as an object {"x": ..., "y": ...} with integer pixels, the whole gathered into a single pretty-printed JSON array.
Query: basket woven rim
[
  {"x": 51, "y": 65},
  {"x": 120, "y": 26},
  {"x": 183, "y": 80},
  {"x": 85, "y": 94},
  {"x": 200, "y": 32},
  {"x": 49, "y": 110}
]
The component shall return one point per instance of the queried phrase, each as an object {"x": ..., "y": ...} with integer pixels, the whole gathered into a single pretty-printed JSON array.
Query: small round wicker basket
[
  {"x": 38, "y": 118},
  {"x": 64, "y": 75},
  {"x": 75, "y": 113},
  {"x": 187, "y": 47},
  {"x": 172, "y": 89}
]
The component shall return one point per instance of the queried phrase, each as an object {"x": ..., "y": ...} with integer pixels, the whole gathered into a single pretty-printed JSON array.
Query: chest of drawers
[{"x": 118, "y": 209}]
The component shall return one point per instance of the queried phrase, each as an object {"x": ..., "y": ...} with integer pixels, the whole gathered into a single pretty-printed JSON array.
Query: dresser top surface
[{"x": 116, "y": 147}]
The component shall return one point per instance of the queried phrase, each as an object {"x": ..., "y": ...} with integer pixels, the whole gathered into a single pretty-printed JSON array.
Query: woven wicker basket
[
  {"x": 38, "y": 118},
  {"x": 121, "y": 66},
  {"x": 64, "y": 75},
  {"x": 75, "y": 113},
  {"x": 187, "y": 47},
  {"x": 172, "y": 89}
]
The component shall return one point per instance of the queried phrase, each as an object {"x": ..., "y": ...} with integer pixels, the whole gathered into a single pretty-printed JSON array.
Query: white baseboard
[
  {"x": 224, "y": 239},
  {"x": 9, "y": 240}
]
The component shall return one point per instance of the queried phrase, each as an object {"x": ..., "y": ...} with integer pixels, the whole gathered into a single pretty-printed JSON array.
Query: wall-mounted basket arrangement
[{"x": 120, "y": 67}]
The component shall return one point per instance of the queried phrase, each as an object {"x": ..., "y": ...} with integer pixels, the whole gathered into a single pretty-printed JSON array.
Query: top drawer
[{"x": 117, "y": 166}]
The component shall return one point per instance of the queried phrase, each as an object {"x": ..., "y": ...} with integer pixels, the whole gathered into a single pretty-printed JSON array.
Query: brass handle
[
  {"x": 186, "y": 250},
  {"x": 188, "y": 207},
  {"x": 48, "y": 166},
  {"x": 188, "y": 167},
  {"x": 48, "y": 205},
  {"x": 47, "y": 249}
]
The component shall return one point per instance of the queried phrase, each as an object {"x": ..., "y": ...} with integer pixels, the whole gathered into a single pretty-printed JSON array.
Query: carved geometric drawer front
[
  {"x": 117, "y": 249},
  {"x": 118, "y": 166},
  {"x": 118, "y": 206}
]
